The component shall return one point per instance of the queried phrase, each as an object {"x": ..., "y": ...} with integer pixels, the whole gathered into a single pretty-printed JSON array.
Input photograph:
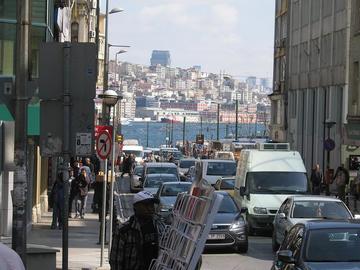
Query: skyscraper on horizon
[{"x": 160, "y": 58}]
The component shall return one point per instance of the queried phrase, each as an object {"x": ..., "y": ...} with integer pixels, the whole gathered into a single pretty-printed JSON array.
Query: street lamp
[
  {"x": 106, "y": 51},
  {"x": 116, "y": 62},
  {"x": 110, "y": 98}
]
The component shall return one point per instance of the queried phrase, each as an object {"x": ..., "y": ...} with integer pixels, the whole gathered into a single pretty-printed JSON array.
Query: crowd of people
[
  {"x": 339, "y": 180},
  {"x": 82, "y": 177}
]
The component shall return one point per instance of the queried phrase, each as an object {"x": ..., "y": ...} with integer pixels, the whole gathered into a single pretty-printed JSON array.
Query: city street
[{"x": 259, "y": 255}]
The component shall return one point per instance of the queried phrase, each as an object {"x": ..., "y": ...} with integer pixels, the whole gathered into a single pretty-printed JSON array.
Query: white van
[
  {"x": 136, "y": 150},
  {"x": 214, "y": 169},
  {"x": 265, "y": 177}
]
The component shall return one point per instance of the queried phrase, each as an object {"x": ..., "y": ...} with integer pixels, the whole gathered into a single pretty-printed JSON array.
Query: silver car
[{"x": 297, "y": 209}]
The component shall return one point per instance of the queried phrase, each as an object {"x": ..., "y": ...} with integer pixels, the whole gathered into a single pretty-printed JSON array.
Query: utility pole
[
  {"x": 105, "y": 109},
  {"x": 236, "y": 115},
  {"x": 147, "y": 134},
  {"x": 218, "y": 121},
  {"x": 19, "y": 195},
  {"x": 66, "y": 154},
  {"x": 184, "y": 127}
]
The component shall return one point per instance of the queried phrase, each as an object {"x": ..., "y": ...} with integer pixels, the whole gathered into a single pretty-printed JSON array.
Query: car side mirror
[
  {"x": 282, "y": 216},
  {"x": 286, "y": 256},
  {"x": 242, "y": 191}
]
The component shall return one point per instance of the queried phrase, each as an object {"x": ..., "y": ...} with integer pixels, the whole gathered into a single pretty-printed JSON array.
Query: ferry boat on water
[{"x": 169, "y": 120}]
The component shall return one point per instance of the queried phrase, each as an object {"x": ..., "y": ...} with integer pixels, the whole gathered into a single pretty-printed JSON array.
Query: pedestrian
[
  {"x": 126, "y": 165},
  {"x": 57, "y": 202},
  {"x": 83, "y": 183},
  {"x": 74, "y": 193},
  {"x": 9, "y": 259},
  {"x": 316, "y": 179},
  {"x": 341, "y": 180},
  {"x": 136, "y": 243}
]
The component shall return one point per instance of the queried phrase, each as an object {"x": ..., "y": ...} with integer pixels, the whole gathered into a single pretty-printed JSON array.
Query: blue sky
[{"x": 231, "y": 35}]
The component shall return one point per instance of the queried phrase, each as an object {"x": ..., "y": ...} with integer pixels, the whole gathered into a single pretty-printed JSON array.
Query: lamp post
[
  {"x": 106, "y": 55},
  {"x": 116, "y": 61},
  {"x": 110, "y": 98}
]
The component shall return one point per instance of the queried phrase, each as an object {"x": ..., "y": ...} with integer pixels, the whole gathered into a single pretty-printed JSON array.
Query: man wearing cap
[{"x": 136, "y": 243}]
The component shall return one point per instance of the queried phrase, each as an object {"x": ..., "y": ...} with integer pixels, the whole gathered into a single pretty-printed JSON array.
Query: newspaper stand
[{"x": 182, "y": 243}]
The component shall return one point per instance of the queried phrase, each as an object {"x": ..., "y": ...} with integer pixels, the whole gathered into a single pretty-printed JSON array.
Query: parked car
[
  {"x": 135, "y": 183},
  {"x": 167, "y": 194},
  {"x": 227, "y": 184},
  {"x": 153, "y": 181},
  {"x": 229, "y": 228},
  {"x": 297, "y": 209},
  {"x": 320, "y": 244}
]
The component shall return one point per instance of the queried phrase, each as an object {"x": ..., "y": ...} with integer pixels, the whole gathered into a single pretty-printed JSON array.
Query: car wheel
[
  {"x": 274, "y": 243},
  {"x": 242, "y": 248}
]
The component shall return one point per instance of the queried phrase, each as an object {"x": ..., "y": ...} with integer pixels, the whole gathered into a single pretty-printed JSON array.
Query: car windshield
[
  {"x": 221, "y": 168},
  {"x": 333, "y": 245},
  {"x": 320, "y": 209},
  {"x": 277, "y": 182},
  {"x": 134, "y": 152},
  {"x": 154, "y": 181},
  {"x": 155, "y": 170},
  {"x": 138, "y": 170},
  {"x": 227, "y": 184},
  {"x": 186, "y": 163},
  {"x": 227, "y": 205},
  {"x": 174, "y": 190},
  {"x": 224, "y": 156}
]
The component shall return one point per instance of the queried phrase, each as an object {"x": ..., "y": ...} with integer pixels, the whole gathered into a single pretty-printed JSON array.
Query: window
[
  {"x": 277, "y": 182},
  {"x": 356, "y": 87},
  {"x": 8, "y": 9},
  {"x": 327, "y": 8},
  {"x": 7, "y": 49},
  {"x": 295, "y": 59},
  {"x": 304, "y": 57},
  {"x": 339, "y": 47},
  {"x": 341, "y": 4},
  {"x": 305, "y": 12},
  {"x": 295, "y": 16},
  {"x": 315, "y": 10},
  {"x": 314, "y": 54},
  {"x": 325, "y": 52},
  {"x": 37, "y": 37}
]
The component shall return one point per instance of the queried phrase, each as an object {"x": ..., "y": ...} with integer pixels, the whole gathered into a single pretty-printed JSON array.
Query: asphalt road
[{"x": 258, "y": 257}]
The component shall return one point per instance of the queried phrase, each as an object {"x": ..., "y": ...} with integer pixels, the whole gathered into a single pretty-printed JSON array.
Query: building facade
[{"x": 311, "y": 80}]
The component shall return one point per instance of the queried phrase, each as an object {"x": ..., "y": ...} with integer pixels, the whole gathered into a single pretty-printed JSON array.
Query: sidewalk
[{"x": 84, "y": 253}]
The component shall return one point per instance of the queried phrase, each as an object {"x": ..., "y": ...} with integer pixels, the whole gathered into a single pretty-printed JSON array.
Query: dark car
[
  {"x": 152, "y": 182},
  {"x": 167, "y": 194},
  {"x": 229, "y": 228},
  {"x": 320, "y": 244}
]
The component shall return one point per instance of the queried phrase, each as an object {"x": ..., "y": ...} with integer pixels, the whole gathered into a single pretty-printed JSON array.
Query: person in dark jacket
[
  {"x": 57, "y": 202},
  {"x": 341, "y": 180},
  {"x": 83, "y": 183},
  {"x": 316, "y": 179}
]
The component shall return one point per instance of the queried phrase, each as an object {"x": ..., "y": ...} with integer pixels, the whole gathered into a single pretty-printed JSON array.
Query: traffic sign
[
  {"x": 83, "y": 144},
  {"x": 329, "y": 144},
  {"x": 103, "y": 144}
]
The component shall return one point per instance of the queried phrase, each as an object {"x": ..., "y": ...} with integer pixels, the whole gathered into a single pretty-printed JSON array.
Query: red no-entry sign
[{"x": 103, "y": 144}]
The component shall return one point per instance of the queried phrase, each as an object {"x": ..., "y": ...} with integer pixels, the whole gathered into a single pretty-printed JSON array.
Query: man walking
[
  {"x": 136, "y": 243},
  {"x": 341, "y": 180},
  {"x": 316, "y": 179}
]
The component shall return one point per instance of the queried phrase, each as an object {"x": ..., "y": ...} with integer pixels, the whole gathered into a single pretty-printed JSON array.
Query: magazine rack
[{"x": 182, "y": 242}]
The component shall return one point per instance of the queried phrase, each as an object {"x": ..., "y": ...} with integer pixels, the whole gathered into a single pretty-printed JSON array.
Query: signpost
[{"x": 103, "y": 149}]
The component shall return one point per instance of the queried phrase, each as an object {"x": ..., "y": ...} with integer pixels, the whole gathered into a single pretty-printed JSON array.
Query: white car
[
  {"x": 135, "y": 183},
  {"x": 297, "y": 209}
]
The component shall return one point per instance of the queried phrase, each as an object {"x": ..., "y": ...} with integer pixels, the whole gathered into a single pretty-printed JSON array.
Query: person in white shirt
[{"x": 9, "y": 259}]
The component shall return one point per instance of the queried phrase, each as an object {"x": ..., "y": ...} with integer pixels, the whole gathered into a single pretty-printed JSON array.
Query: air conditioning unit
[
  {"x": 274, "y": 146},
  {"x": 92, "y": 34}
]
